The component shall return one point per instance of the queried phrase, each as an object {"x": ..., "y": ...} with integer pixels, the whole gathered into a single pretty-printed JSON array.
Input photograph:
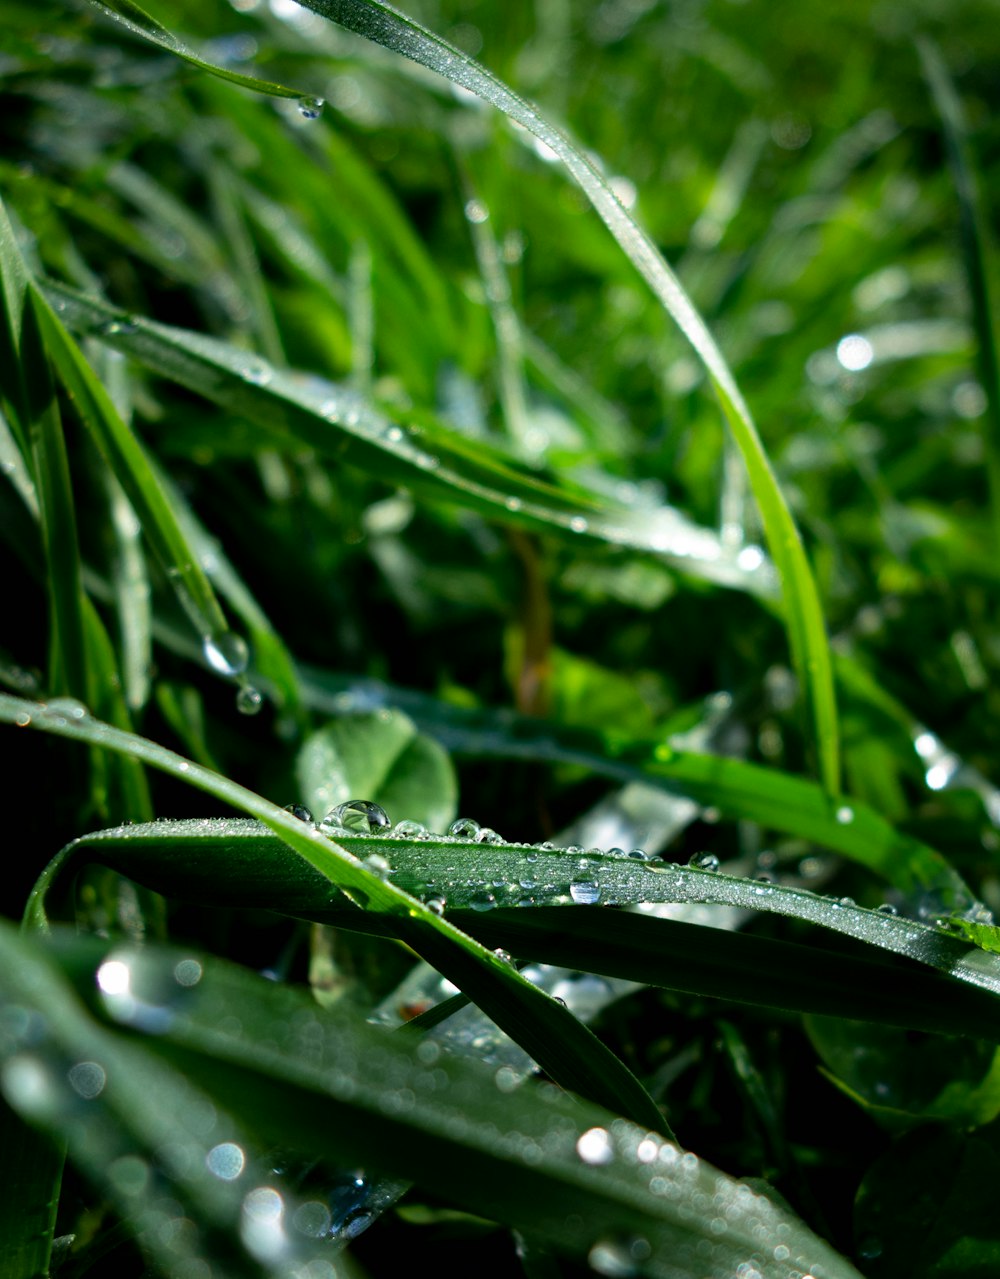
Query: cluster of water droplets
[{"x": 227, "y": 654}]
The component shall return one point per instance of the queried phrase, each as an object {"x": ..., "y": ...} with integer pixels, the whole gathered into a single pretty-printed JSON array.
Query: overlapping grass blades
[
  {"x": 568, "y": 1174},
  {"x": 386, "y": 26},
  {"x": 560, "y": 1043}
]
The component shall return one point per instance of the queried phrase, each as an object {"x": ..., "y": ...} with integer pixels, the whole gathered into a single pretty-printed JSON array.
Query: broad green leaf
[
  {"x": 382, "y": 758},
  {"x": 338, "y": 423},
  {"x": 569, "y": 1052},
  {"x": 392, "y": 29},
  {"x": 565, "y": 1173},
  {"x": 136, "y": 20}
]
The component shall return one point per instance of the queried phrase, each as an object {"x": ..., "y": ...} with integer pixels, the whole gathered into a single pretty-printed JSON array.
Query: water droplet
[
  {"x": 249, "y": 700},
  {"x": 887, "y": 908},
  {"x": 311, "y": 108},
  {"x": 226, "y": 653},
  {"x": 378, "y": 865},
  {"x": 357, "y": 817},
  {"x": 300, "y": 811},
  {"x": 483, "y": 901},
  {"x": 187, "y": 972},
  {"x": 111, "y": 328},
  {"x": 639, "y": 855},
  {"x": 848, "y": 901},
  {"x": 476, "y": 211},
  {"x": 845, "y": 815},
  {"x": 70, "y": 707},
  {"x": 504, "y": 956},
  {"x": 704, "y": 861},
  {"x": 594, "y": 1147},
  {"x": 464, "y": 828},
  {"x": 615, "y": 1258},
  {"x": 585, "y": 892},
  {"x": 410, "y": 830},
  {"x": 436, "y": 905},
  {"x": 488, "y": 836},
  {"x": 578, "y": 524},
  {"x": 23, "y": 720},
  {"x": 258, "y": 373}
]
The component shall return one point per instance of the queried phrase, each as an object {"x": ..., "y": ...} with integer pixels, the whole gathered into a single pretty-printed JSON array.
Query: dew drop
[
  {"x": 845, "y": 815},
  {"x": 464, "y": 828},
  {"x": 638, "y": 855},
  {"x": 614, "y": 1258},
  {"x": 410, "y": 830},
  {"x": 226, "y": 653},
  {"x": 23, "y": 720},
  {"x": 585, "y": 892},
  {"x": 249, "y": 700},
  {"x": 887, "y": 908},
  {"x": 578, "y": 524},
  {"x": 357, "y": 817},
  {"x": 70, "y": 707},
  {"x": 436, "y": 905},
  {"x": 311, "y": 108},
  {"x": 258, "y": 373},
  {"x": 704, "y": 861},
  {"x": 300, "y": 811},
  {"x": 483, "y": 901},
  {"x": 488, "y": 836},
  {"x": 378, "y": 865}
]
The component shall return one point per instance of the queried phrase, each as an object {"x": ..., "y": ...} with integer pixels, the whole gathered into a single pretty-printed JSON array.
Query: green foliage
[{"x": 345, "y": 455}]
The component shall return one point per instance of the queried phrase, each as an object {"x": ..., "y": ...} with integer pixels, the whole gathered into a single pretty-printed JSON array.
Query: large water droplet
[
  {"x": 464, "y": 828},
  {"x": 357, "y": 817},
  {"x": 704, "y": 861},
  {"x": 410, "y": 830},
  {"x": 300, "y": 811},
  {"x": 585, "y": 892},
  {"x": 226, "y": 653},
  {"x": 249, "y": 700},
  {"x": 311, "y": 108}
]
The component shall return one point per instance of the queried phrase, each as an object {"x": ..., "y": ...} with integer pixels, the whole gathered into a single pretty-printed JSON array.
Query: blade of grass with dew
[
  {"x": 516, "y": 898},
  {"x": 136, "y": 20},
  {"x": 563, "y": 1171},
  {"x": 386, "y": 26},
  {"x": 569, "y": 1052},
  {"x": 338, "y": 423},
  {"x": 975, "y": 255}
]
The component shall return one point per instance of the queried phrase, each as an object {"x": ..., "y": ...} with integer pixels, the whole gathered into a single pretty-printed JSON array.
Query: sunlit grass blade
[
  {"x": 569, "y": 1052},
  {"x": 433, "y": 461},
  {"x": 975, "y": 255},
  {"x": 388, "y": 27},
  {"x": 564, "y": 1172},
  {"x": 136, "y": 20},
  {"x": 240, "y": 862}
]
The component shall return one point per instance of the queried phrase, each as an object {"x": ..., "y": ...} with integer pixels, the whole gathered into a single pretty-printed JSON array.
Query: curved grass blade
[
  {"x": 566, "y": 1173},
  {"x": 569, "y": 1052},
  {"x": 504, "y": 889},
  {"x": 386, "y": 26},
  {"x": 339, "y": 423},
  {"x": 136, "y": 20}
]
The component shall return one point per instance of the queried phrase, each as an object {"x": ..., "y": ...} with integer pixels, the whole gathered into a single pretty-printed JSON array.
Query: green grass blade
[
  {"x": 569, "y": 1052},
  {"x": 28, "y": 1204},
  {"x": 975, "y": 255},
  {"x": 388, "y": 27},
  {"x": 136, "y": 20},
  {"x": 127, "y": 459}
]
